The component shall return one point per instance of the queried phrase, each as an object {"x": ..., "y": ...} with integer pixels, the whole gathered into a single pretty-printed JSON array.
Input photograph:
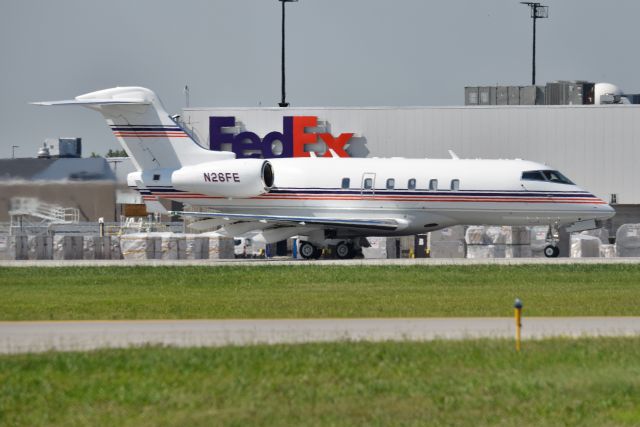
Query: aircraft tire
[
  {"x": 308, "y": 251},
  {"x": 344, "y": 251},
  {"x": 551, "y": 251}
]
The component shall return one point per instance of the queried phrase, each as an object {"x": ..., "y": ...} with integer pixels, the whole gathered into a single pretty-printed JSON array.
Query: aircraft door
[{"x": 368, "y": 185}]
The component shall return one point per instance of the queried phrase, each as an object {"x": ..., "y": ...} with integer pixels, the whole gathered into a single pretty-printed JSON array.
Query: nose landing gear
[
  {"x": 553, "y": 238},
  {"x": 551, "y": 251}
]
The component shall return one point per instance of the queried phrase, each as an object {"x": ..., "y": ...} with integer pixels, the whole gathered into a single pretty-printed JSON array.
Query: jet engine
[{"x": 226, "y": 178}]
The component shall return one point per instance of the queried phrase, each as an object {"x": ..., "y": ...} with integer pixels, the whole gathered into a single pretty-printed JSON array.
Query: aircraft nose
[{"x": 606, "y": 211}]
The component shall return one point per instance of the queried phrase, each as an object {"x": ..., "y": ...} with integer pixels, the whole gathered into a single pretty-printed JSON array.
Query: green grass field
[
  {"x": 317, "y": 291},
  {"x": 465, "y": 383}
]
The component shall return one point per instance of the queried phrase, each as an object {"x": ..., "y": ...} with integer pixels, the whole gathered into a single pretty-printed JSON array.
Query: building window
[
  {"x": 411, "y": 185},
  {"x": 156, "y": 177},
  {"x": 368, "y": 183},
  {"x": 346, "y": 182},
  {"x": 391, "y": 183},
  {"x": 433, "y": 184},
  {"x": 455, "y": 184}
]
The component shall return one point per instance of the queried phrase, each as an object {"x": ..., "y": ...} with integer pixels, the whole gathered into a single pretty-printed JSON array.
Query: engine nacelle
[{"x": 226, "y": 178}]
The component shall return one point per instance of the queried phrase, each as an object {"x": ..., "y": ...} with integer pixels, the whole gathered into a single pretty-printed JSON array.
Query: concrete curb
[{"x": 292, "y": 262}]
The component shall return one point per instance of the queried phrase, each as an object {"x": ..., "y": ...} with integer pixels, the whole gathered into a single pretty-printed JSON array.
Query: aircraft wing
[{"x": 389, "y": 224}]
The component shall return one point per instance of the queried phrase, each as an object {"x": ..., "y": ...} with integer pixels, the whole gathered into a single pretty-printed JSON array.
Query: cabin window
[
  {"x": 433, "y": 184},
  {"x": 346, "y": 182},
  {"x": 391, "y": 183},
  {"x": 368, "y": 183},
  {"x": 156, "y": 177},
  {"x": 411, "y": 184},
  {"x": 455, "y": 184}
]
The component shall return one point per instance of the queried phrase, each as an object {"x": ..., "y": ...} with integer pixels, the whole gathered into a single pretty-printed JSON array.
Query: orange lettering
[
  {"x": 336, "y": 144},
  {"x": 300, "y": 138}
]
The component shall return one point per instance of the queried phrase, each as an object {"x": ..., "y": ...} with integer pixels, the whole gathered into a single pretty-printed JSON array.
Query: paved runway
[
  {"x": 23, "y": 337},
  {"x": 289, "y": 261}
]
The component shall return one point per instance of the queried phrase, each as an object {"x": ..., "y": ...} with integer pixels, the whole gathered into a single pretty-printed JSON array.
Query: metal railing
[
  {"x": 32, "y": 216},
  {"x": 31, "y": 206}
]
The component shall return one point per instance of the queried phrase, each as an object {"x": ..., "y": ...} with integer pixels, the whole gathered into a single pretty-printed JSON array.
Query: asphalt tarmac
[{"x": 37, "y": 336}]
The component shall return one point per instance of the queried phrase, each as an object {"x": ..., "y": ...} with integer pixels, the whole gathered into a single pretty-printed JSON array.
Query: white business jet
[{"x": 333, "y": 201}]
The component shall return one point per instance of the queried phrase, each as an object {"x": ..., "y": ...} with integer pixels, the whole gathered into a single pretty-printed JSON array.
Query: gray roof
[{"x": 77, "y": 169}]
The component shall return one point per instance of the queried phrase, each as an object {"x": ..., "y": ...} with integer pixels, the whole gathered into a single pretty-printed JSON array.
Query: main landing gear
[
  {"x": 309, "y": 251},
  {"x": 343, "y": 249},
  {"x": 553, "y": 238}
]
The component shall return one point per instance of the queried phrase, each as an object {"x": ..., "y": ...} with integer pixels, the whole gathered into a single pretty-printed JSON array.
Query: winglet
[{"x": 453, "y": 155}]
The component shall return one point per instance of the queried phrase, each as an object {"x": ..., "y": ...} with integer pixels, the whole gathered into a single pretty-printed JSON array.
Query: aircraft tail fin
[{"x": 147, "y": 133}]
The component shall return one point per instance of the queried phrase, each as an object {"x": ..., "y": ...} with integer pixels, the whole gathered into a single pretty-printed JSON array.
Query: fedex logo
[{"x": 293, "y": 138}]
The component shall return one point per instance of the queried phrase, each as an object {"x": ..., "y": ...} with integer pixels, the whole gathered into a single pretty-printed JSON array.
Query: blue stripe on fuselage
[{"x": 442, "y": 193}]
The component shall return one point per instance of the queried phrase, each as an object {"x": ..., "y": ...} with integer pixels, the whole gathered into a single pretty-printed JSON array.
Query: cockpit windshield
[
  {"x": 533, "y": 176},
  {"x": 546, "y": 175},
  {"x": 555, "y": 176}
]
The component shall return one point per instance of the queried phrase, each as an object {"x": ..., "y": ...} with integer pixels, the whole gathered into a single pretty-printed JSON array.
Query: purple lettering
[
  {"x": 221, "y": 177},
  {"x": 216, "y": 137},
  {"x": 247, "y": 145},
  {"x": 207, "y": 178},
  {"x": 214, "y": 177},
  {"x": 285, "y": 138},
  {"x": 227, "y": 176},
  {"x": 250, "y": 145},
  {"x": 236, "y": 177}
]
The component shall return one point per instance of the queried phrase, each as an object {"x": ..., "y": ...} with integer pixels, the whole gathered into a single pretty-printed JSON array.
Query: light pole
[
  {"x": 538, "y": 11},
  {"x": 283, "y": 102},
  {"x": 13, "y": 151}
]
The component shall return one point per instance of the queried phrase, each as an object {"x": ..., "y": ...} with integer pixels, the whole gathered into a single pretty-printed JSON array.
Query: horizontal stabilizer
[
  {"x": 94, "y": 102},
  {"x": 371, "y": 224},
  {"x": 140, "y": 123}
]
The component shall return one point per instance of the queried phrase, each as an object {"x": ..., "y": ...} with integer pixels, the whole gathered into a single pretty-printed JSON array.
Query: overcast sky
[{"x": 339, "y": 53}]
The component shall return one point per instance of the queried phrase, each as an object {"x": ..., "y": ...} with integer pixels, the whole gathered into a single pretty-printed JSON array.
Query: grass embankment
[
  {"x": 554, "y": 382},
  {"x": 316, "y": 291}
]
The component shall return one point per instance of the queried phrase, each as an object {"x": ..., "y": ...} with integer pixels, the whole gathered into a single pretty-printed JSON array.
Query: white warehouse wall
[{"x": 596, "y": 146}]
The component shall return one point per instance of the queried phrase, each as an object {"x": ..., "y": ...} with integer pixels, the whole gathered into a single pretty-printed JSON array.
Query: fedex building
[{"x": 597, "y": 146}]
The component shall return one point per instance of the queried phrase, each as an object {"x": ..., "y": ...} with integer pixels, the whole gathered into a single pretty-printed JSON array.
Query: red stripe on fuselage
[
  {"x": 450, "y": 199},
  {"x": 151, "y": 134}
]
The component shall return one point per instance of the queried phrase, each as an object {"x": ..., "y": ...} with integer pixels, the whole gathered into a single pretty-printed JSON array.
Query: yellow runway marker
[{"x": 518, "y": 315}]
